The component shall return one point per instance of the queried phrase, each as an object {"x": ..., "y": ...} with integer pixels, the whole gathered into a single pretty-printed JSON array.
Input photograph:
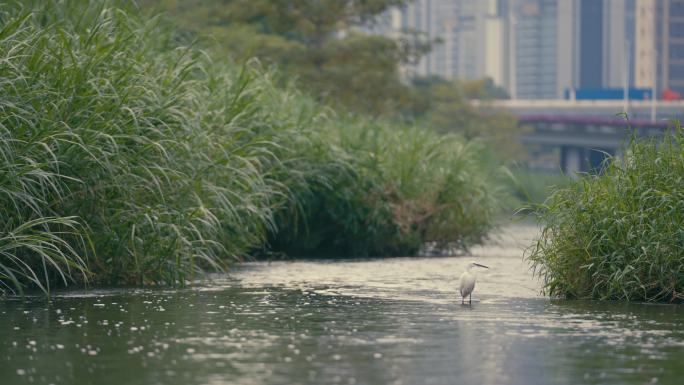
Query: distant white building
[{"x": 542, "y": 47}]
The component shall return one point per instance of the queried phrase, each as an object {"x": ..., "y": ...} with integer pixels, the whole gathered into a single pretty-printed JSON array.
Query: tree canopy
[{"x": 319, "y": 42}]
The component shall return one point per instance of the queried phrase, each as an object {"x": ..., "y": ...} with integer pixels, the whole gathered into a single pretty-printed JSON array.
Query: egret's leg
[{"x": 470, "y": 300}]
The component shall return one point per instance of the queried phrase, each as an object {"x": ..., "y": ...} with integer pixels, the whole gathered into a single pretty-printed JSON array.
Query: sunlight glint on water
[{"x": 394, "y": 321}]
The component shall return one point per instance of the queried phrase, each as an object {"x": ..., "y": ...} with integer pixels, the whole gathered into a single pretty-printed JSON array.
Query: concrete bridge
[{"x": 584, "y": 132}]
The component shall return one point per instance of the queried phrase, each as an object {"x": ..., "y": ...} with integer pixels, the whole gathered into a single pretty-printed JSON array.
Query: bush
[
  {"x": 619, "y": 235},
  {"x": 409, "y": 186}
]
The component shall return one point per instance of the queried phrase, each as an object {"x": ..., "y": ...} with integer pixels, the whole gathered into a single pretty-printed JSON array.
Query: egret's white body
[{"x": 467, "y": 282}]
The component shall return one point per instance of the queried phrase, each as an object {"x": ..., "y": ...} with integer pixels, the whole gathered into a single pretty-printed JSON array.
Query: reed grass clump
[
  {"x": 619, "y": 235},
  {"x": 125, "y": 157},
  {"x": 408, "y": 186},
  {"x": 129, "y": 157}
]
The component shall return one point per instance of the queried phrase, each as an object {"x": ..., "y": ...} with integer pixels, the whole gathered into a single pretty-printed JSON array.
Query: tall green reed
[
  {"x": 149, "y": 152},
  {"x": 619, "y": 235}
]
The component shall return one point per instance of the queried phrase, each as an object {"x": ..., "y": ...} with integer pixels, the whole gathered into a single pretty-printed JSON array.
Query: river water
[{"x": 389, "y": 321}]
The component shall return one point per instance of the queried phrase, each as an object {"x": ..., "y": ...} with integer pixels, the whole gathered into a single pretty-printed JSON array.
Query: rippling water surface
[{"x": 390, "y": 321}]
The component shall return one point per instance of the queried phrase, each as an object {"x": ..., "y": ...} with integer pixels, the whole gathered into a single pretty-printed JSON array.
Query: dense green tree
[
  {"x": 447, "y": 107},
  {"x": 320, "y": 42}
]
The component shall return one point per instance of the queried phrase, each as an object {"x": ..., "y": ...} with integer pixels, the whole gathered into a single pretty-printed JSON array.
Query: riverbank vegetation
[
  {"x": 619, "y": 235},
  {"x": 129, "y": 156}
]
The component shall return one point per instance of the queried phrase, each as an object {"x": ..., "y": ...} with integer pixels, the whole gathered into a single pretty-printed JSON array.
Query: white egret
[{"x": 467, "y": 283}]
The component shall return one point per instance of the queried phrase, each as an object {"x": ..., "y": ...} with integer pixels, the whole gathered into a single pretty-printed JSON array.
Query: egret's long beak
[{"x": 477, "y": 264}]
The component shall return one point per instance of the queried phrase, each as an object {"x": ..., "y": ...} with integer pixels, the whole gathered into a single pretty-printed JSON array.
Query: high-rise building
[
  {"x": 604, "y": 43},
  {"x": 469, "y": 35},
  {"x": 670, "y": 43},
  {"x": 645, "y": 62},
  {"x": 541, "y": 47},
  {"x": 591, "y": 43},
  {"x": 659, "y": 56},
  {"x": 617, "y": 40}
]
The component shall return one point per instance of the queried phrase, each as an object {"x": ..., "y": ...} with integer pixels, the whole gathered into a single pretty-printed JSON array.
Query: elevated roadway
[{"x": 586, "y": 130}]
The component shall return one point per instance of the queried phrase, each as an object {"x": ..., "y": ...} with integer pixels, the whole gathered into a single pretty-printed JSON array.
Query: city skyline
[{"x": 540, "y": 49}]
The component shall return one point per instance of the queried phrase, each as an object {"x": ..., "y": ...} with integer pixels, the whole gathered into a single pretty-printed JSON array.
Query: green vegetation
[
  {"x": 410, "y": 186},
  {"x": 323, "y": 44},
  {"x": 316, "y": 41},
  {"x": 619, "y": 235},
  {"x": 445, "y": 106},
  {"x": 128, "y": 157}
]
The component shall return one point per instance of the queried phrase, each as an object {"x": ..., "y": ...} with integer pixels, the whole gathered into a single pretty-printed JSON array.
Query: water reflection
[{"x": 395, "y": 321}]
